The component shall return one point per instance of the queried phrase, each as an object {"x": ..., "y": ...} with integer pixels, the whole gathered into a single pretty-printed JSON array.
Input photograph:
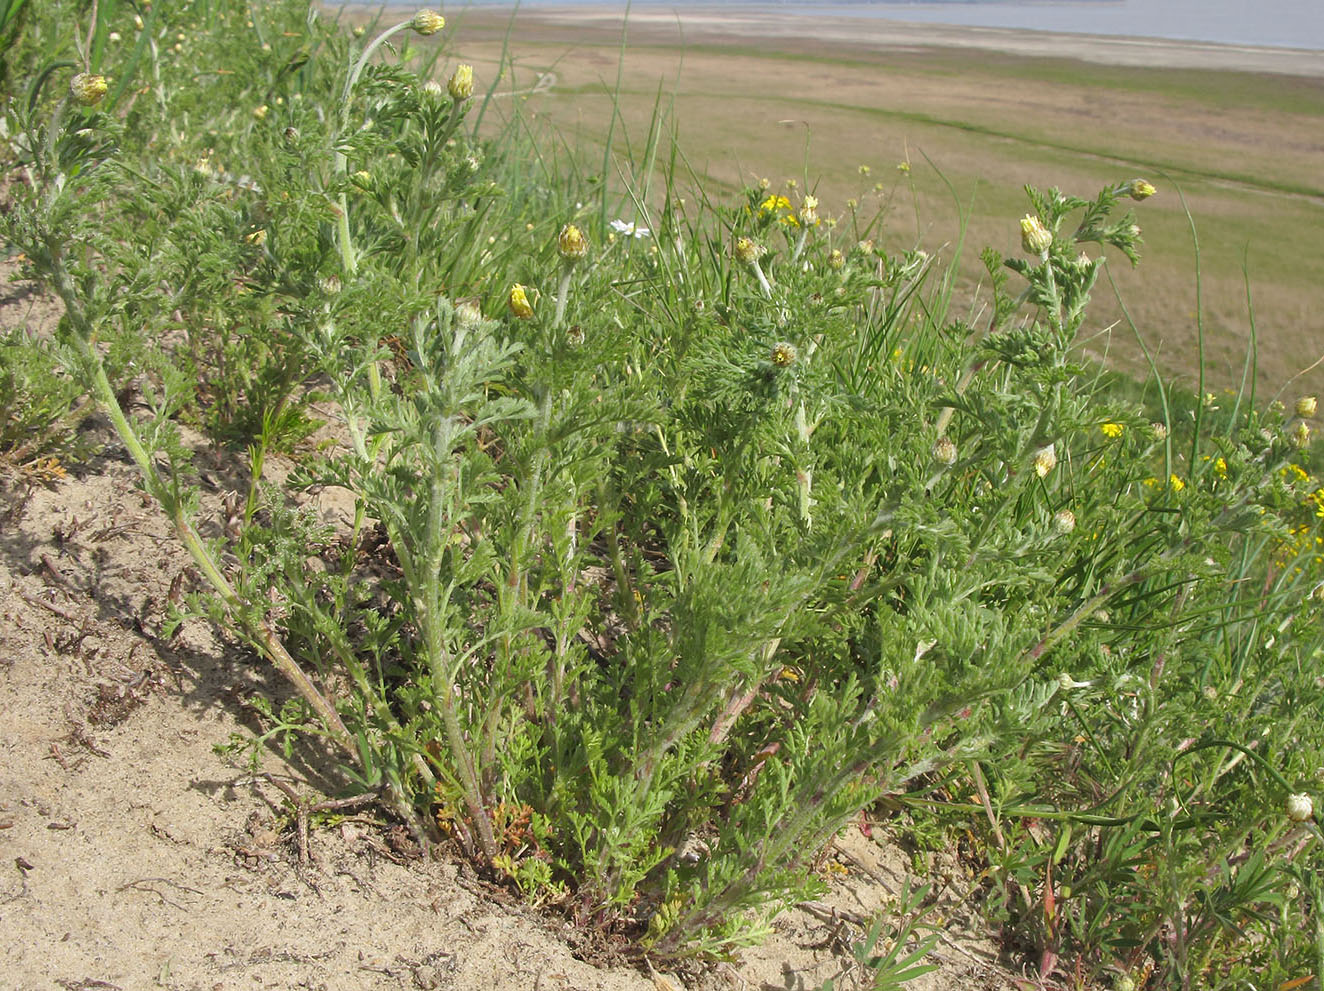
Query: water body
[{"x": 1273, "y": 23}]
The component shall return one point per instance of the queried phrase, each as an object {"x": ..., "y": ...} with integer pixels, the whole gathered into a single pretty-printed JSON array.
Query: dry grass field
[{"x": 1243, "y": 150}]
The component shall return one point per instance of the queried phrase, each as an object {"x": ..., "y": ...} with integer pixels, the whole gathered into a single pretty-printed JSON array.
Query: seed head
[
  {"x": 88, "y": 88},
  {"x": 461, "y": 85},
  {"x": 1139, "y": 189},
  {"x": 747, "y": 252},
  {"x": 1299, "y": 807},
  {"x": 571, "y": 244},
  {"x": 1045, "y": 460},
  {"x": 1035, "y": 237},
  {"x": 427, "y": 22},
  {"x": 944, "y": 451},
  {"x": 1064, "y": 521},
  {"x": 783, "y": 354},
  {"x": 1306, "y": 406},
  {"x": 518, "y": 302}
]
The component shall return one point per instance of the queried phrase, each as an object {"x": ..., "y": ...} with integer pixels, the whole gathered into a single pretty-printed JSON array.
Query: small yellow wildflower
[
  {"x": 1045, "y": 460},
  {"x": 865, "y": 170},
  {"x": 903, "y": 167},
  {"x": 746, "y": 251},
  {"x": 1176, "y": 483},
  {"x": 260, "y": 113},
  {"x": 1301, "y": 435},
  {"x": 518, "y": 302},
  {"x": 571, "y": 244},
  {"x": 427, "y": 22},
  {"x": 461, "y": 85},
  {"x": 1141, "y": 190},
  {"x": 1035, "y": 237},
  {"x": 1306, "y": 406},
  {"x": 1220, "y": 468},
  {"x": 1112, "y": 430},
  {"x": 88, "y": 88},
  {"x": 257, "y": 238}
]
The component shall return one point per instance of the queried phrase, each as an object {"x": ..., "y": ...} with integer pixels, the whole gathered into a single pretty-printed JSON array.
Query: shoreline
[{"x": 876, "y": 35}]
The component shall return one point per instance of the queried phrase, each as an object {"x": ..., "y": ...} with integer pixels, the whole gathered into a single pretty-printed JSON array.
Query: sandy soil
[{"x": 133, "y": 856}]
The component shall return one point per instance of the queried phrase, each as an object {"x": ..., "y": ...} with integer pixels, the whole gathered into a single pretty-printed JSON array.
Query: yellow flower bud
[
  {"x": 88, "y": 88},
  {"x": 783, "y": 354},
  {"x": 747, "y": 252},
  {"x": 1306, "y": 406},
  {"x": 571, "y": 244},
  {"x": 1045, "y": 460},
  {"x": 518, "y": 302},
  {"x": 257, "y": 238},
  {"x": 944, "y": 451},
  {"x": 461, "y": 85},
  {"x": 1301, "y": 435},
  {"x": 1035, "y": 237},
  {"x": 260, "y": 113},
  {"x": 836, "y": 259},
  {"x": 427, "y": 22},
  {"x": 1139, "y": 189}
]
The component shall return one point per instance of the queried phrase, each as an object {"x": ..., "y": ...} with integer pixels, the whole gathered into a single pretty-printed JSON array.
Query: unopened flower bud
[
  {"x": 88, "y": 88},
  {"x": 836, "y": 259},
  {"x": 1064, "y": 521},
  {"x": 1139, "y": 189},
  {"x": 1035, "y": 237},
  {"x": 291, "y": 135},
  {"x": 944, "y": 451},
  {"x": 518, "y": 302},
  {"x": 809, "y": 211},
  {"x": 1045, "y": 460},
  {"x": 1299, "y": 807},
  {"x": 1066, "y": 683},
  {"x": 1301, "y": 435},
  {"x": 783, "y": 354},
  {"x": 461, "y": 85},
  {"x": 747, "y": 252},
  {"x": 433, "y": 88},
  {"x": 468, "y": 315},
  {"x": 1306, "y": 406},
  {"x": 137, "y": 22},
  {"x": 1160, "y": 430},
  {"x": 362, "y": 179},
  {"x": 427, "y": 22},
  {"x": 260, "y": 113},
  {"x": 571, "y": 244}
]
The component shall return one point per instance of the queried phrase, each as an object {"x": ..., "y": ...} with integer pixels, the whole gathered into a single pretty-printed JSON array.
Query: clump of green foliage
[{"x": 681, "y": 540}]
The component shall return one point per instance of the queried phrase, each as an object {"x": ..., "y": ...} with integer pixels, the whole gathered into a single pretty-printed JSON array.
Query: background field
[{"x": 1246, "y": 149}]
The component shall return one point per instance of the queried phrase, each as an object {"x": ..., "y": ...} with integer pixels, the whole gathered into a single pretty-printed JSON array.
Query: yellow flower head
[
  {"x": 783, "y": 354},
  {"x": 944, "y": 451},
  {"x": 1306, "y": 406},
  {"x": 747, "y": 252},
  {"x": 1139, "y": 189},
  {"x": 1112, "y": 430},
  {"x": 1045, "y": 460},
  {"x": 518, "y": 302},
  {"x": 461, "y": 85},
  {"x": 1176, "y": 483},
  {"x": 1035, "y": 237},
  {"x": 571, "y": 244},
  {"x": 260, "y": 112},
  {"x": 257, "y": 238},
  {"x": 88, "y": 88},
  {"x": 427, "y": 22}
]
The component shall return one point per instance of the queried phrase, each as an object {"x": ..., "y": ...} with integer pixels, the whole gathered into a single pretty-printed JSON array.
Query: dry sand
[{"x": 708, "y": 26}]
